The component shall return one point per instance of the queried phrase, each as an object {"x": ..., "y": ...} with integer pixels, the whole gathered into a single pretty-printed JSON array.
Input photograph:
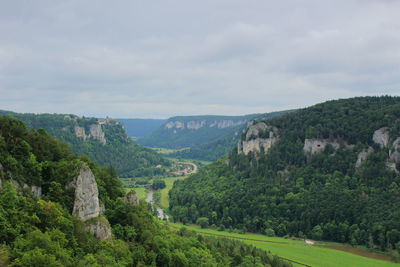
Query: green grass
[
  {"x": 166, "y": 151},
  {"x": 296, "y": 251},
  {"x": 140, "y": 192},
  {"x": 169, "y": 182}
]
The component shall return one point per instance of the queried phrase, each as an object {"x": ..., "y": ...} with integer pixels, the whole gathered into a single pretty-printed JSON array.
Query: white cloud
[{"x": 163, "y": 58}]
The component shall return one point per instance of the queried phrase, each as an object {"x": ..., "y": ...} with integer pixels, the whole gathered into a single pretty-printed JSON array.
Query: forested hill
[
  {"x": 58, "y": 209},
  {"x": 330, "y": 171},
  {"x": 203, "y": 137},
  {"x": 104, "y": 141}
]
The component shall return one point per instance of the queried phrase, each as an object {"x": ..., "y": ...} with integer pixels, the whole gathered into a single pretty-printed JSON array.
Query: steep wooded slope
[
  {"x": 58, "y": 209},
  {"x": 104, "y": 141},
  {"x": 329, "y": 172}
]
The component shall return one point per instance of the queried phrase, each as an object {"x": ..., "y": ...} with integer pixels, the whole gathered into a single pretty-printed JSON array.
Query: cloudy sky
[{"x": 159, "y": 58}]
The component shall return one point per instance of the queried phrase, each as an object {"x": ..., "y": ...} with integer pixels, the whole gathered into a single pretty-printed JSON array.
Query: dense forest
[
  {"x": 347, "y": 190},
  {"x": 117, "y": 150},
  {"x": 39, "y": 230}
]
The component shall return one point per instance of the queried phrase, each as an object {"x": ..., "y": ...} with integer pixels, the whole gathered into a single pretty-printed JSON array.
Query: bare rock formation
[
  {"x": 259, "y": 137},
  {"x": 100, "y": 228},
  {"x": 86, "y": 204},
  {"x": 316, "y": 146},
  {"x": 80, "y": 132},
  {"x": 363, "y": 156},
  {"x": 381, "y": 137},
  {"x": 96, "y": 132}
]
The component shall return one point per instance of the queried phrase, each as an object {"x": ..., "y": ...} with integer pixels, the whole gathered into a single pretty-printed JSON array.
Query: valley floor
[{"x": 301, "y": 254}]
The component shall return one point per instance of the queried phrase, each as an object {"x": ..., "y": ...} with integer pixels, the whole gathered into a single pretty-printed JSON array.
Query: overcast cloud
[{"x": 159, "y": 58}]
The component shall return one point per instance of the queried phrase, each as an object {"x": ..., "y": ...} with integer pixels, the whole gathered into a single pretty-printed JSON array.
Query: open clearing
[
  {"x": 169, "y": 182},
  {"x": 295, "y": 250}
]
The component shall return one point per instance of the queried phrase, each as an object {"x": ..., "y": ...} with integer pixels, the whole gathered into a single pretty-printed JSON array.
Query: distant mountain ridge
[
  {"x": 206, "y": 137},
  {"x": 103, "y": 140},
  {"x": 137, "y": 128}
]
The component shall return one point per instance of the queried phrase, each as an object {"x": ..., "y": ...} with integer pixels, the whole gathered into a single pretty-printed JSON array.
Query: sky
[{"x": 162, "y": 58}]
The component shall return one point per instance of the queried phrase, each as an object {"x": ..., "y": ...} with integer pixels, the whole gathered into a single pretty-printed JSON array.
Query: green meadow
[{"x": 295, "y": 250}]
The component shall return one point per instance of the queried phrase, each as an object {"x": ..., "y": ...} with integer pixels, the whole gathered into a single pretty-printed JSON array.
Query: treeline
[
  {"x": 42, "y": 232},
  {"x": 122, "y": 153},
  {"x": 323, "y": 197}
]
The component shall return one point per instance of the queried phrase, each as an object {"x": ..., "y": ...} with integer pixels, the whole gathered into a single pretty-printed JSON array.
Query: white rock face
[
  {"x": 86, "y": 204},
  {"x": 96, "y": 132},
  {"x": 131, "y": 198},
  {"x": 80, "y": 132},
  {"x": 254, "y": 143},
  {"x": 381, "y": 137},
  {"x": 195, "y": 125},
  {"x": 198, "y": 124},
  {"x": 363, "y": 156},
  {"x": 316, "y": 146},
  {"x": 175, "y": 124},
  {"x": 36, "y": 191},
  {"x": 100, "y": 228},
  {"x": 394, "y": 155}
]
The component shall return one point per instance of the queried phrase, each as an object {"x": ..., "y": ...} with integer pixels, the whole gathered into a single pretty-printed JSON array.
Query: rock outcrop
[
  {"x": 363, "y": 156},
  {"x": 100, "y": 228},
  {"x": 131, "y": 198},
  {"x": 316, "y": 146},
  {"x": 95, "y": 132},
  {"x": 80, "y": 132},
  {"x": 174, "y": 124},
  {"x": 35, "y": 190},
  {"x": 259, "y": 136},
  {"x": 86, "y": 204},
  {"x": 381, "y": 137},
  {"x": 197, "y": 124},
  {"x": 394, "y": 156}
]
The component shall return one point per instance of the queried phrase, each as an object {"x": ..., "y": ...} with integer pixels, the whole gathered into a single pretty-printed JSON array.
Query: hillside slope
[
  {"x": 104, "y": 141},
  {"x": 330, "y": 171},
  {"x": 58, "y": 209}
]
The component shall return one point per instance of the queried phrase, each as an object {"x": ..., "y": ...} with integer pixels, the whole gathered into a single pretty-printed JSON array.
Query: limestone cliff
[
  {"x": 381, "y": 137},
  {"x": 80, "y": 132},
  {"x": 394, "y": 156},
  {"x": 259, "y": 137},
  {"x": 86, "y": 204},
  {"x": 197, "y": 124},
  {"x": 95, "y": 132},
  {"x": 100, "y": 228},
  {"x": 316, "y": 146},
  {"x": 363, "y": 156}
]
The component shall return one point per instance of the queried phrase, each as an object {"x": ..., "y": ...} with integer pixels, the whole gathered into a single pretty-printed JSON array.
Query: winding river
[{"x": 160, "y": 212}]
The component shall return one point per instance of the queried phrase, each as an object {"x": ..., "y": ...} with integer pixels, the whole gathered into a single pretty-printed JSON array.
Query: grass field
[
  {"x": 140, "y": 192},
  {"x": 295, "y": 250},
  {"x": 169, "y": 182}
]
